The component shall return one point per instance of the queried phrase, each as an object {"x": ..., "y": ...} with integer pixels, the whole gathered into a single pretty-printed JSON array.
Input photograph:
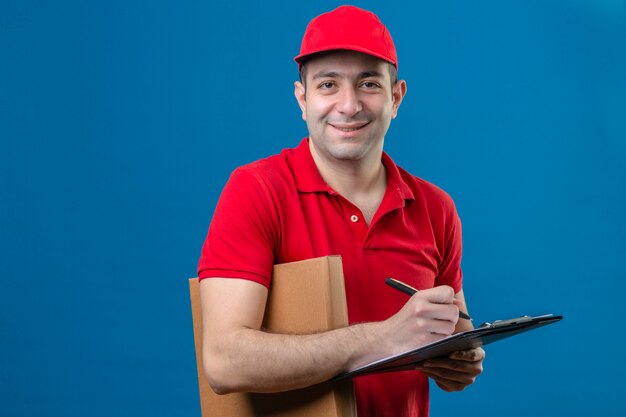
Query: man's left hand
[{"x": 457, "y": 371}]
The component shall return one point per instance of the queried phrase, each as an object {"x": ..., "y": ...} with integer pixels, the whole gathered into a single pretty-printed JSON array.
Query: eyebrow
[{"x": 333, "y": 74}]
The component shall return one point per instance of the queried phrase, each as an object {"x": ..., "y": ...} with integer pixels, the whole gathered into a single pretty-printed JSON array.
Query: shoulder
[
  {"x": 268, "y": 173},
  {"x": 268, "y": 181},
  {"x": 427, "y": 192}
]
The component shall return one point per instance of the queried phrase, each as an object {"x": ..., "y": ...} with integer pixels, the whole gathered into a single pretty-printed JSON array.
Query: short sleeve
[
  {"x": 450, "y": 272},
  {"x": 243, "y": 232}
]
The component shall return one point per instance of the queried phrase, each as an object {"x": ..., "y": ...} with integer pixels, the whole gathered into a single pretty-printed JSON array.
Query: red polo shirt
[{"x": 279, "y": 209}]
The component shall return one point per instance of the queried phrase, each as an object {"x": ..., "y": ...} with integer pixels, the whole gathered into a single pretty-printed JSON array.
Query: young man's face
[{"x": 348, "y": 101}]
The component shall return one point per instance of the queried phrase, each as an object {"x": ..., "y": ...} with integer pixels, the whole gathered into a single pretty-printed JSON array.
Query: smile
[{"x": 349, "y": 127}]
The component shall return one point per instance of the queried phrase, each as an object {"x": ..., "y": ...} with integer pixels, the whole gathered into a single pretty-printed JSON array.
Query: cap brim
[{"x": 303, "y": 57}]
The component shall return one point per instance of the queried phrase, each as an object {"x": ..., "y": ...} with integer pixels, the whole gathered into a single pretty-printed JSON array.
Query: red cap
[{"x": 351, "y": 28}]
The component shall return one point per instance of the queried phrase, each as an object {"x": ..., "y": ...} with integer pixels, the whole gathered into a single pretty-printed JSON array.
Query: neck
[{"x": 362, "y": 182}]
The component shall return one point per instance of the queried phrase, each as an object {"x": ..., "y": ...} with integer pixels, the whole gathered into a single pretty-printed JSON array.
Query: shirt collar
[
  {"x": 309, "y": 180},
  {"x": 395, "y": 182},
  {"x": 306, "y": 174}
]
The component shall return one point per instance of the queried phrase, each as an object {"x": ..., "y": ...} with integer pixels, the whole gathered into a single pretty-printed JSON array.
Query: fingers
[
  {"x": 443, "y": 294},
  {"x": 433, "y": 310},
  {"x": 462, "y": 374},
  {"x": 454, "y": 376},
  {"x": 471, "y": 355},
  {"x": 428, "y": 316},
  {"x": 451, "y": 368},
  {"x": 448, "y": 383},
  {"x": 461, "y": 306},
  {"x": 465, "y": 361},
  {"x": 456, "y": 372}
]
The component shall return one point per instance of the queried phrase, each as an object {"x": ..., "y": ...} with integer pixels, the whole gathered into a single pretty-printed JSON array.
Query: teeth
[{"x": 348, "y": 129}]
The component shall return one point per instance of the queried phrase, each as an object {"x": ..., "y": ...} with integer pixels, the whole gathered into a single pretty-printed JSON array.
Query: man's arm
[
  {"x": 459, "y": 369},
  {"x": 239, "y": 356}
]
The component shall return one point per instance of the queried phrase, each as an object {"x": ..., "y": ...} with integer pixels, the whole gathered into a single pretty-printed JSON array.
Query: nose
[{"x": 348, "y": 101}]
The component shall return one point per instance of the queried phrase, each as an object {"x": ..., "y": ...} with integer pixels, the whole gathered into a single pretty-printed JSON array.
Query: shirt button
[{"x": 354, "y": 218}]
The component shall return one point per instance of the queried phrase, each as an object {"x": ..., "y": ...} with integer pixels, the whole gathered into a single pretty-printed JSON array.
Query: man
[{"x": 337, "y": 193}]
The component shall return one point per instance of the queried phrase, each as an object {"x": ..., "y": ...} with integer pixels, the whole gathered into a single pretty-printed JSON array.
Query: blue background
[{"x": 120, "y": 121}]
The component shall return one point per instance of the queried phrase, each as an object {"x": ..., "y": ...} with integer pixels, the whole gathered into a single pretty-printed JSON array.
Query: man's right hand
[
  {"x": 428, "y": 316},
  {"x": 239, "y": 356}
]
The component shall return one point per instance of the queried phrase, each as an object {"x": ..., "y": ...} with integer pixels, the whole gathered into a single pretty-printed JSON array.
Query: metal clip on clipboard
[{"x": 504, "y": 323}]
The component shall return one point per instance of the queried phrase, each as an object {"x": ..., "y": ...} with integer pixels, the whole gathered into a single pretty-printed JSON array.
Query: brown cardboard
[{"x": 305, "y": 297}]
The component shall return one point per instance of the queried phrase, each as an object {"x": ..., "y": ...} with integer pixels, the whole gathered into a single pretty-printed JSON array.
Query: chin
[{"x": 348, "y": 153}]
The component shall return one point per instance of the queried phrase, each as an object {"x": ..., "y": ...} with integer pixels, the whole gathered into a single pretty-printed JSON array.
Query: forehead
[{"x": 345, "y": 63}]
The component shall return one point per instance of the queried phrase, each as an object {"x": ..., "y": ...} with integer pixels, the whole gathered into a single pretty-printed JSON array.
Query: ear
[
  {"x": 299, "y": 92},
  {"x": 398, "y": 93}
]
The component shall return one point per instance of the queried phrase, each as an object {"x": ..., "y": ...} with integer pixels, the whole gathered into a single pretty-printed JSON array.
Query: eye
[
  {"x": 370, "y": 85},
  {"x": 326, "y": 85}
]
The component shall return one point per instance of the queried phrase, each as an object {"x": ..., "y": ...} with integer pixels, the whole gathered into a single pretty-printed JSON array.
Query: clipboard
[{"x": 486, "y": 333}]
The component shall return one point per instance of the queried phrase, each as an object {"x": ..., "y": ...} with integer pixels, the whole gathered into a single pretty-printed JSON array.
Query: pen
[{"x": 407, "y": 289}]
